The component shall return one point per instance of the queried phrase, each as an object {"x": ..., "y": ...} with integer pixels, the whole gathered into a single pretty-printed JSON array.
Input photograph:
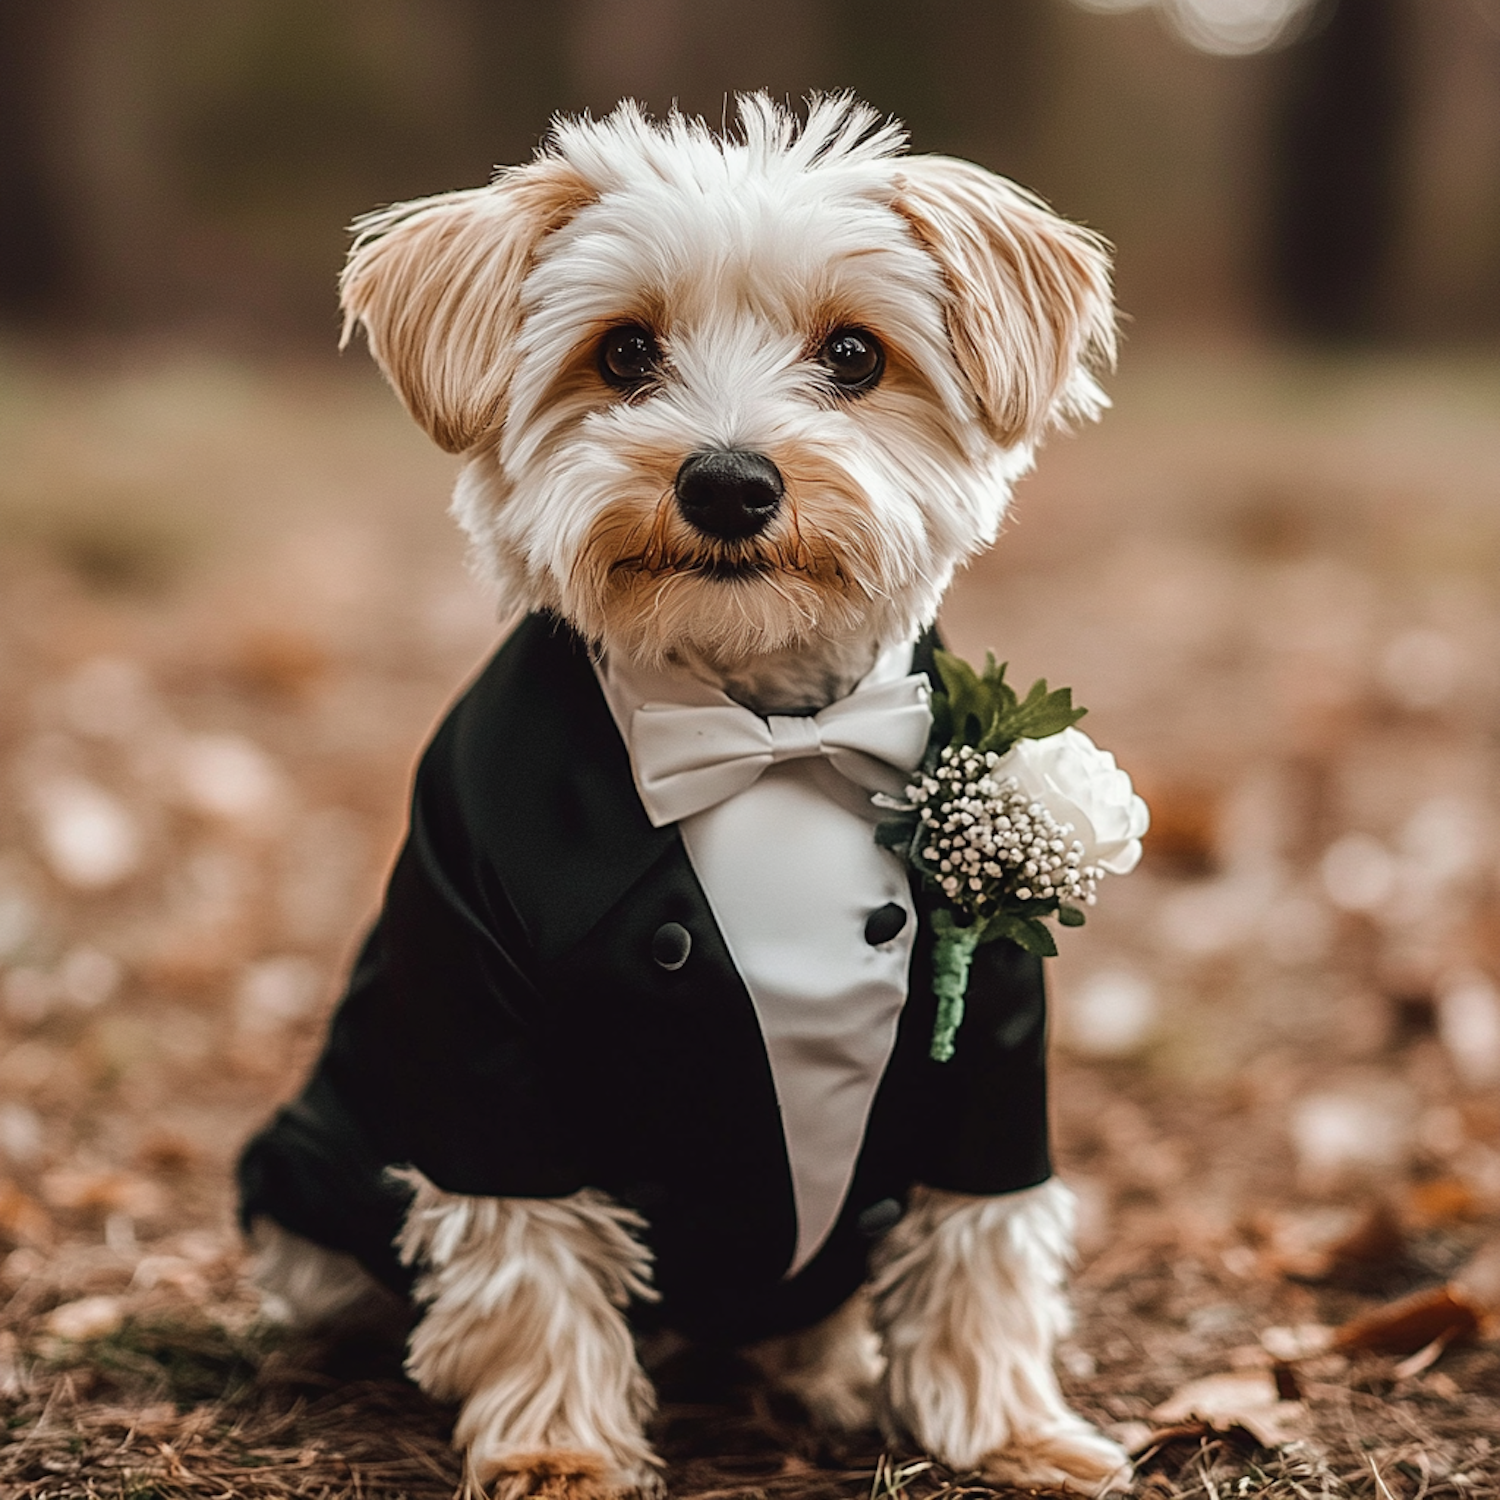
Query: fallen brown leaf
[
  {"x": 1423, "y": 1359},
  {"x": 103, "y": 1191},
  {"x": 1376, "y": 1241},
  {"x": 1411, "y": 1324},
  {"x": 1478, "y": 1283},
  {"x": 1442, "y": 1200},
  {"x": 283, "y": 662},
  {"x": 87, "y": 1318},
  {"x": 166, "y": 1151},
  {"x": 1304, "y": 1341},
  {"x": 1237, "y": 1398},
  {"x": 1340, "y": 1249},
  {"x": 22, "y": 1219}
]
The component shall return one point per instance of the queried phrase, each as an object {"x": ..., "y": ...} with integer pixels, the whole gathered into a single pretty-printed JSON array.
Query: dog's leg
[
  {"x": 968, "y": 1298},
  {"x": 306, "y": 1287},
  {"x": 524, "y": 1326},
  {"x": 833, "y": 1368}
]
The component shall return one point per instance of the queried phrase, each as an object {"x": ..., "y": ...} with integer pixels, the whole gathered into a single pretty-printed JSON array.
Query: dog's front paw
[
  {"x": 1069, "y": 1455},
  {"x": 562, "y": 1474}
]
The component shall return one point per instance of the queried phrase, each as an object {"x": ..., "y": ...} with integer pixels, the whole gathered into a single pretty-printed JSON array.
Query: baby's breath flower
[{"x": 985, "y": 838}]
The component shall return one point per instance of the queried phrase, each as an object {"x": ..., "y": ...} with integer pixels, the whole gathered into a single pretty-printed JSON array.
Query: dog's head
[{"x": 721, "y": 398}]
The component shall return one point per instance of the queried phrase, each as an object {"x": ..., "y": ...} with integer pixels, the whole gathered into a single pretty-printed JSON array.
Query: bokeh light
[{"x": 1231, "y": 28}]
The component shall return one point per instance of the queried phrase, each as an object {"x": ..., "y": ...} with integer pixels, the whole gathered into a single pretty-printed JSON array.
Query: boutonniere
[{"x": 1014, "y": 817}]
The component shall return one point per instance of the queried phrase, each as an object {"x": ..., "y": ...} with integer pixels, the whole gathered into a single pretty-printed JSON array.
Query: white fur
[
  {"x": 740, "y": 245},
  {"x": 485, "y": 308},
  {"x": 305, "y": 1286},
  {"x": 525, "y": 1326},
  {"x": 968, "y": 1298}
]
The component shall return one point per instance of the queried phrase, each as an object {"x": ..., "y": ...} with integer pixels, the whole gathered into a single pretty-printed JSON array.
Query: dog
[{"x": 637, "y": 1049}]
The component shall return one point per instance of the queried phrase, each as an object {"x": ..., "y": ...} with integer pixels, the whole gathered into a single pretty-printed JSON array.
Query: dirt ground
[{"x": 230, "y": 610}]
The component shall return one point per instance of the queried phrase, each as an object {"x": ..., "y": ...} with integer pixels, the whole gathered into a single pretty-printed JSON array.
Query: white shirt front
[{"x": 792, "y": 873}]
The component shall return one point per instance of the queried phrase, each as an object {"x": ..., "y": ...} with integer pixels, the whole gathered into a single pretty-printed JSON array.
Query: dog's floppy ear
[
  {"x": 1029, "y": 308},
  {"x": 436, "y": 284}
]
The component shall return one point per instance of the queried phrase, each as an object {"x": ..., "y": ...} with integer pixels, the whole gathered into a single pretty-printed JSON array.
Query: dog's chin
[
  {"x": 722, "y": 610},
  {"x": 729, "y": 569}
]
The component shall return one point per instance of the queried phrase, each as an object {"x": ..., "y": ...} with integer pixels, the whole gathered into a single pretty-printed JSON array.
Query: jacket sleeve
[
  {"x": 443, "y": 1045},
  {"x": 438, "y": 1057}
]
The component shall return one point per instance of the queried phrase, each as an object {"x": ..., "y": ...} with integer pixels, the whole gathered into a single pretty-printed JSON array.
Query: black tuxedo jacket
[{"x": 511, "y": 1030}]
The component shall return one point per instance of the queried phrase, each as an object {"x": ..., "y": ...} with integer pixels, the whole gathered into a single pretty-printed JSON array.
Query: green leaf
[
  {"x": 981, "y": 709},
  {"x": 942, "y": 730},
  {"x": 1035, "y": 938},
  {"x": 1070, "y": 916},
  {"x": 1051, "y": 714},
  {"x": 970, "y": 703},
  {"x": 896, "y": 834},
  {"x": 1024, "y": 932},
  {"x": 994, "y": 679},
  {"x": 1036, "y": 717}
]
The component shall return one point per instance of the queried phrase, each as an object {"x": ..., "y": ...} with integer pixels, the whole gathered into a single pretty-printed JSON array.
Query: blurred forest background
[
  {"x": 231, "y": 608},
  {"x": 1332, "y": 170}
]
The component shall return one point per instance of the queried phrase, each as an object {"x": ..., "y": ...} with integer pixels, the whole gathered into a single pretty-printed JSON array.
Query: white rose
[{"x": 1079, "y": 783}]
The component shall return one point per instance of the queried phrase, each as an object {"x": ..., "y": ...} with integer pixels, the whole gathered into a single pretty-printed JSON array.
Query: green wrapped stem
[{"x": 951, "y": 956}]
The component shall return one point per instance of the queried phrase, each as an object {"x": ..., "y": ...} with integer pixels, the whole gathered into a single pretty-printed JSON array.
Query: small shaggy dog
[{"x": 639, "y": 1043}]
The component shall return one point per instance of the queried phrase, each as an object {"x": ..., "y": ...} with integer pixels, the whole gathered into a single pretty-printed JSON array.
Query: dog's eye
[
  {"x": 628, "y": 356},
  {"x": 853, "y": 357}
]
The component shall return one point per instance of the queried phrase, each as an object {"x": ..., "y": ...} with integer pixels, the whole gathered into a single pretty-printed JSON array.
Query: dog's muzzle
[{"x": 729, "y": 493}]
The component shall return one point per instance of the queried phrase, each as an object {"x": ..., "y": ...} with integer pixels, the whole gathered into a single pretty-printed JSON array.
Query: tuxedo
[{"x": 547, "y": 1003}]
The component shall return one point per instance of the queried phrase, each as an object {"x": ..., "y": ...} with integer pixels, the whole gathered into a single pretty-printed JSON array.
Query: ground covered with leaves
[{"x": 230, "y": 610}]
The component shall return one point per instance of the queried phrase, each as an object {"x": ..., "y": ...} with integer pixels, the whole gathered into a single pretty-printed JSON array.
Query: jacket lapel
[
  {"x": 548, "y": 781},
  {"x": 547, "y": 778},
  {"x": 663, "y": 1056}
]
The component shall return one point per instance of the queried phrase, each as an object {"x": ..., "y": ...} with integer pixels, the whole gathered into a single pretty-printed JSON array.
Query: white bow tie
[{"x": 691, "y": 757}]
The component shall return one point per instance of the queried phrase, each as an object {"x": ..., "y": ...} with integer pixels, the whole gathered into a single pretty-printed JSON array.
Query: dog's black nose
[{"x": 729, "y": 493}]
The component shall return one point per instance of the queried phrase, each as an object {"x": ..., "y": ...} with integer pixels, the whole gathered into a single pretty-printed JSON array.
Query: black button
[
  {"x": 884, "y": 923},
  {"x": 879, "y": 1217},
  {"x": 671, "y": 945}
]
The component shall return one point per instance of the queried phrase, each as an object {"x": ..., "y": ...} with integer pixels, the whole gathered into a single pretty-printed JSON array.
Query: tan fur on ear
[
  {"x": 435, "y": 284},
  {"x": 1030, "y": 313}
]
